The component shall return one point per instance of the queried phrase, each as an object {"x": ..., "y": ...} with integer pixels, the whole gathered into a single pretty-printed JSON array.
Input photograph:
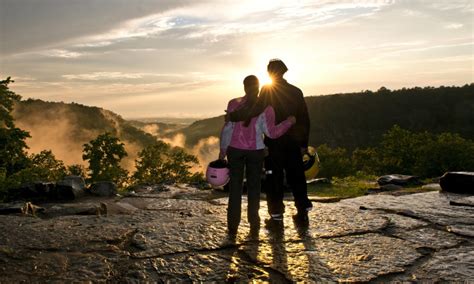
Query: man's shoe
[
  {"x": 276, "y": 221},
  {"x": 309, "y": 206},
  {"x": 301, "y": 218},
  {"x": 232, "y": 231}
]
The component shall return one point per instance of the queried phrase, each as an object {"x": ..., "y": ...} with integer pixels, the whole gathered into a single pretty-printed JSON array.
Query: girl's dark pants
[{"x": 250, "y": 161}]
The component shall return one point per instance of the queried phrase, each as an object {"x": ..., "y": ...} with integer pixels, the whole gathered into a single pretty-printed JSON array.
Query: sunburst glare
[{"x": 264, "y": 78}]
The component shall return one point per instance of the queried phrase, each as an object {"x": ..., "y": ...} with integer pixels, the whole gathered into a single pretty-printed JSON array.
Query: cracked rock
[
  {"x": 169, "y": 236},
  {"x": 453, "y": 265}
]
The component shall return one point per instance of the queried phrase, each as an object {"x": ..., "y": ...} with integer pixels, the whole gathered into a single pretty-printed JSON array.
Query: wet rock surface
[{"x": 179, "y": 235}]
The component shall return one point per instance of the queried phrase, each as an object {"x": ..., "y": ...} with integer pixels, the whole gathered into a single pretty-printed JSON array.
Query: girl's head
[{"x": 251, "y": 85}]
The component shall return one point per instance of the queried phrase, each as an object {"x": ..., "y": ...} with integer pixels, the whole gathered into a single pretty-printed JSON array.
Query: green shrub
[
  {"x": 334, "y": 162},
  {"x": 422, "y": 154},
  {"x": 161, "y": 163},
  {"x": 445, "y": 152},
  {"x": 76, "y": 170}
]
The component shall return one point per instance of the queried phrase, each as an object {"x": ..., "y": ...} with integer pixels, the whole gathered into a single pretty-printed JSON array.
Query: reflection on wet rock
[
  {"x": 179, "y": 235},
  {"x": 453, "y": 265}
]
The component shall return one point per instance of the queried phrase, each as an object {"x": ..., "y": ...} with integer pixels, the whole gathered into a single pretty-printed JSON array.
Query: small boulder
[
  {"x": 45, "y": 189},
  {"x": 139, "y": 241},
  {"x": 70, "y": 188},
  {"x": 103, "y": 188},
  {"x": 402, "y": 180},
  {"x": 34, "y": 191},
  {"x": 458, "y": 182},
  {"x": 76, "y": 182},
  {"x": 25, "y": 191},
  {"x": 11, "y": 208},
  {"x": 76, "y": 209}
]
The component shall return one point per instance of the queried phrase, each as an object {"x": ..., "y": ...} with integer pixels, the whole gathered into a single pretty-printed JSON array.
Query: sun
[{"x": 264, "y": 78}]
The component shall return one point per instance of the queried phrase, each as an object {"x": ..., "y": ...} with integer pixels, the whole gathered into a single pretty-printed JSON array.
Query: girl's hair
[
  {"x": 251, "y": 100},
  {"x": 250, "y": 80}
]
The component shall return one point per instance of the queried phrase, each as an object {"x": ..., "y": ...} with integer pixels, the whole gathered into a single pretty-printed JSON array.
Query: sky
[{"x": 180, "y": 58}]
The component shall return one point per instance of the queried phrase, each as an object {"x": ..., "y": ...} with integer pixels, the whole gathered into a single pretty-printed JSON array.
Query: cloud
[
  {"x": 178, "y": 140},
  {"x": 96, "y": 76},
  {"x": 100, "y": 43},
  {"x": 229, "y": 19},
  {"x": 132, "y": 29},
  {"x": 446, "y": 6},
  {"x": 252, "y": 17},
  {"x": 158, "y": 57},
  {"x": 453, "y": 26},
  {"x": 61, "y": 53},
  {"x": 30, "y": 24},
  {"x": 153, "y": 129}
]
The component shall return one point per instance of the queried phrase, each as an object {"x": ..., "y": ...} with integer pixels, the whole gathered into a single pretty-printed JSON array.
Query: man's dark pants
[{"x": 285, "y": 158}]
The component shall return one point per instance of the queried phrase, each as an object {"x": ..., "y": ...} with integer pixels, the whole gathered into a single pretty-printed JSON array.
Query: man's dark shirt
[{"x": 286, "y": 100}]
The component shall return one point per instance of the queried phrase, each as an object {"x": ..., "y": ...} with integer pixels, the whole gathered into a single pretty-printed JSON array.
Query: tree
[
  {"x": 76, "y": 170},
  {"x": 422, "y": 154},
  {"x": 160, "y": 163},
  {"x": 13, "y": 157},
  {"x": 334, "y": 162},
  {"x": 445, "y": 152},
  {"x": 366, "y": 160},
  {"x": 104, "y": 155},
  {"x": 400, "y": 149},
  {"x": 50, "y": 168},
  {"x": 43, "y": 167}
]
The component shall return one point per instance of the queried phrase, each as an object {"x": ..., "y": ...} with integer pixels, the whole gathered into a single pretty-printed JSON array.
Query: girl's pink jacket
[{"x": 236, "y": 135}]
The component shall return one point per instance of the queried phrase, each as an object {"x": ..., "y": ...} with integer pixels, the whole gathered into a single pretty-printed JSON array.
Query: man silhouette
[{"x": 285, "y": 152}]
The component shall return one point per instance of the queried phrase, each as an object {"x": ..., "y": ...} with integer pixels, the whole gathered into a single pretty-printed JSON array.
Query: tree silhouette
[
  {"x": 13, "y": 157},
  {"x": 160, "y": 162},
  {"x": 104, "y": 155}
]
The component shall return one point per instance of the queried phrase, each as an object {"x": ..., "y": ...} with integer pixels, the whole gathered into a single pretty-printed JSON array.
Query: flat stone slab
[
  {"x": 434, "y": 208},
  {"x": 430, "y": 238},
  {"x": 173, "y": 237},
  {"x": 465, "y": 201},
  {"x": 451, "y": 265},
  {"x": 39, "y": 266}
]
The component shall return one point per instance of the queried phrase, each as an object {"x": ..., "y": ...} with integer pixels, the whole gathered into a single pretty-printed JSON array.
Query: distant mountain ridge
[
  {"x": 65, "y": 127},
  {"x": 355, "y": 120},
  {"x": 341, "y": 120}
]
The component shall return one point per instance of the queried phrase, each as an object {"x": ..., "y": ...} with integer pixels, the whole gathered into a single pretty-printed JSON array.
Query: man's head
[
  {"x": 251, "y": 85},
  {"x": 276, "y": 68}
]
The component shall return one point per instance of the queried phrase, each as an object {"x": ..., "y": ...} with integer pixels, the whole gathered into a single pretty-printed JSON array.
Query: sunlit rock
[
  {"x": 453, "y": 265},
  {"x": 179, "y": 235},
  {"x": 71, "y": 187}
]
